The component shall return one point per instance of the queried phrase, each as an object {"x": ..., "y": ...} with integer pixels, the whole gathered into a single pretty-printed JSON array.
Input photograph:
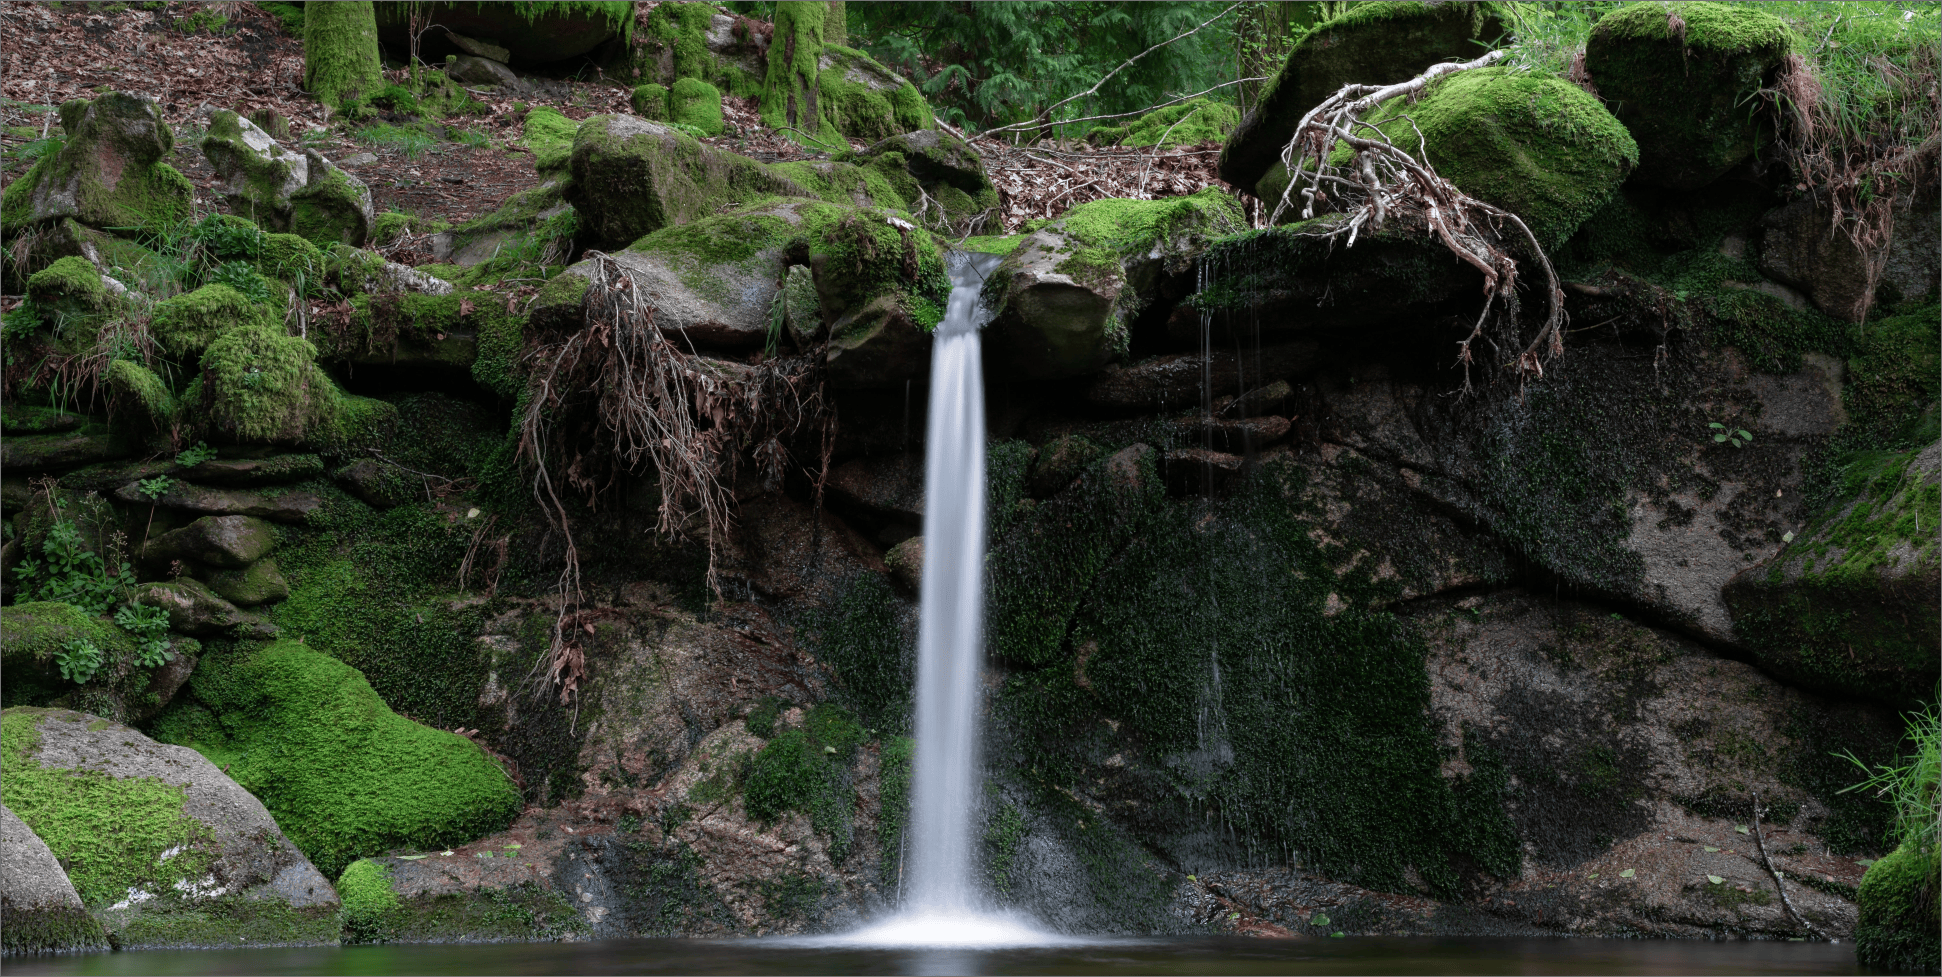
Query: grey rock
[
  {"x": 358, "y": 159},
  {"x": 193, "y": 607},
  {"x": 1173, "y": 381},
  {"x": 269, "y": 470},
  {"x": 253, "y": 862},
  {"x": 274, "y": 504},
  {"x": 221, "y": 541},
  {"x": 259, "y": 583},
  {"x": 110, "y": 172},
  {"x": 1801, "y": 246},
  {"x": 333, "y": 207},
  {"x": 802, "y": 310},
  {"x": 891, "y": 485},
  {"x": 53, "y": 452},
  {"x": 43, "y": 912},
  {"x": 258, "y": 175},
  {"x": 1049, "y": 324},
  {"x": 631, "y": 177},
  {"x": 483, "y": 71},
  {"x": 906, "y": 563},
  {"x": 481, "y": 49},
  {"x": 379, "y": 485},
  {"x": 877, "y": 346}
]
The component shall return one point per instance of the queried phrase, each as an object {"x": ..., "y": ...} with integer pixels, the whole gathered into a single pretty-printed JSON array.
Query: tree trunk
[
  {"x": 835, "y": 29},
  {"x": 340, "y": 51},
  {"x": 789, "y": 88}
]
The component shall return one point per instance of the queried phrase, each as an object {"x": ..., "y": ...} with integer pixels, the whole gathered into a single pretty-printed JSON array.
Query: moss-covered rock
[
  {"x": 1849, "y": 606},
  {"x": 694, "y": 102},
  {"x": 940, "y": 177},
  {"x": 333, "y": 207},
  {"x": 162, "y": 847},
  {"x": 192, "y": 607},
  {"x": 345, "y": 776},
  {"x": 36, "y": 632},
  {"x": 136, "y": 393},
  {"x": 1901, "y": 913},
  {"x": 1537, "y": 147},
  {"x": 109, "y": 174},
  {"x": 259, "y": 176},
  {"x": 54, "y": 452},
  {"x": 862, "y": 99},
  {"x": 44, "y": 914},
  {"x": 70, "y": 288},
  {"x": 650, "y": 101},
  {"x": 531, "y": 230},
  {"x": 1066, "y": 296},
  {"x": 1682, "y": 77},
  {"x": 219, "y": 541},
  {"x": 258, "y": 583},
  {"x": 632, "y": 177},
  {"x": 878, "y": 345},
  {"x": 260, "y": 384},
  {"x": 1189, "y": 123},
  {"x": 1370, "y": 44},
  {"x": 186, "y": 324},
  {"x": 700, "y": 40}
]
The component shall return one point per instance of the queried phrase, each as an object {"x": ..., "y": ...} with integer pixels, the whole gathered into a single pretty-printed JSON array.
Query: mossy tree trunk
[
  {"x": 789, "y": 86},
  {"x": 340, "y": 50},
  {"x": 835, "y": 28}
]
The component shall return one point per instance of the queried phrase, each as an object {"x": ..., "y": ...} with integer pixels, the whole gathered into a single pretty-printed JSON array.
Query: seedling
[{"x": 1737, "y": 437}]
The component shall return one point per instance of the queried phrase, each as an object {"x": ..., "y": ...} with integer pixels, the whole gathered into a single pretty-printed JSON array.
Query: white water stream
[{"x": 943, "y": 902}]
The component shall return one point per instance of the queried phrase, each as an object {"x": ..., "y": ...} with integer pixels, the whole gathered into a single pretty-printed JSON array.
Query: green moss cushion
[
  {"x": 343, "y": 774},
  {"x": 1900, "y": 913}
]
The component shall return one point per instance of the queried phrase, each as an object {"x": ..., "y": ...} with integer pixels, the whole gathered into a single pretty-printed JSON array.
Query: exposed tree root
[
  {"x": 618, "y": 396},
  {"x": 1380, "y": 181}
]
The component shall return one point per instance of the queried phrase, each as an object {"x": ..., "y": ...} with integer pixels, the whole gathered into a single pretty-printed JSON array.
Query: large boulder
[
  {"x": 161, "y": 846},
  {"x": 344, "y": 775},
  {"x": 1066, "y": 295},
  {"x": 333, "y": 207},
  {"x": 715, "y": 281},
  {"x": 258, "y": 175},
  {"x": 43, "y": 912},
  {"x": 109, "y": 174},
  {"x": 1802, "y": 245},
  {"x": 1681, "y": 77},
  {"x": 192, "y": 607},
  {"x": 862, "y": 99},
  {"x": 220, "y": 541},
  {"x": 528, "y": 34},
  {"x": 941, "y": 178},
  {"x": 632, "y": 177},
  {"x": 1849, "y": 606},
  {"x": 1371, "y": 44},
  {"x": 1538, "y": 147}
]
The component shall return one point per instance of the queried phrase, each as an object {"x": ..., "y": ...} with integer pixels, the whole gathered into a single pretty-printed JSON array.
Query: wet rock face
[
  {"x": 44, "y": 914},
  {"x": 164, "y": 849},
  {"x": 221, "y": 541}
]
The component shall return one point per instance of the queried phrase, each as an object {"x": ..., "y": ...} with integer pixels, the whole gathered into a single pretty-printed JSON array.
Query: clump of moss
[
  {"x": 187, "y": 324},
  {"x": 135, "y": 391},
  {"x": 1189, "y": 123},
  {"x": 261, "y": 384},
  {"x": 70, "y": 286},
  {"x": 109, "y": 833},
  {"x": 807, "y": 770},
  {"x": 650, "y": 101},
  {"x": 1901, "y": 913},
  {"x": 861, "y": 255},
  {"x": 549, "y": 134},
  {"x": 370, "y": 906},
  {"x": 693, "y": 102},
  {"x": 344, "y": 776}
]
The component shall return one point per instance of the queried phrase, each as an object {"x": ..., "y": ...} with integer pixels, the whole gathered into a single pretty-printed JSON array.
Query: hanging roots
[
  {"x": 618, "y": 396},
  {"x": 1380, "y": 182}
]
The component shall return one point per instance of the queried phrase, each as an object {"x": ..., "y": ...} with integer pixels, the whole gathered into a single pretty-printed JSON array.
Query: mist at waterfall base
[{"x": 942, "y": 903}]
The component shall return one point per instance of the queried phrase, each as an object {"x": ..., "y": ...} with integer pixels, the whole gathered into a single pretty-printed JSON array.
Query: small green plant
[
  {"x": 203, "y": 21},
  {"x": 1912, "y": 785},
  {"x": 67, "y": 572},
  {"x": 33, "y": 150},
  {"x": 150, "y": 626},
  {"x": 153, "y": 489},
  {"x": 229, "y": 239},
  {"x": 408, "y": 143},
  {"x": 79, "y": 660},
  {"x": 191, "y": 457},
  {"x": 396, "y": 98},
  {"x": 473, "y": 138},
  {"x": 1737, "y": 437}
]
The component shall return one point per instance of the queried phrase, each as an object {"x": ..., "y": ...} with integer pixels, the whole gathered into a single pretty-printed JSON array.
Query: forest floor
[{"x": 50, "y": 53}]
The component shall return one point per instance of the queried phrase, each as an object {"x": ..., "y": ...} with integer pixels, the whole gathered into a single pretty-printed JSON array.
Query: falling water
[{"x": 942, "y": 902}]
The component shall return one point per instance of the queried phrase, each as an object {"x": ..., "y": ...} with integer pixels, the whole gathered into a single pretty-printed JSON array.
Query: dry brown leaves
[{"x": 1045, "y": 180}]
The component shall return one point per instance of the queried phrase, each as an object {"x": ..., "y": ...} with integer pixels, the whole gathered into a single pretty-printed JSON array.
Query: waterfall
[{"x": 950, "y": 634}]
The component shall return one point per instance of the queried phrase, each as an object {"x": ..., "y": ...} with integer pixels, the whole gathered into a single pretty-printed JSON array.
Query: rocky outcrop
[
  {"x": 1802, "y": 245},
  {"x": 109, "y": 173},
  {"x": 1679, "y": 76},
  {"x": 631, "y": 177},
  {"x": 43, "y": 912},
  {"x": 221, "y": 541},
  {"x": 1848, "y": 605},
  {"x": 276, "y": 505},
  {"x": 162, "y": 848},
  {"x": 283, "y": 190}
]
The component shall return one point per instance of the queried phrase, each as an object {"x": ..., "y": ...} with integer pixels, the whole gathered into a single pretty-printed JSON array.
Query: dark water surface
[{"x": 1363, "y": 955}]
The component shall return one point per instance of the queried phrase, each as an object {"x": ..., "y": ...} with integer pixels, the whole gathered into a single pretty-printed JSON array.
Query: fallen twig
[{"x": 1777, "y": 883}]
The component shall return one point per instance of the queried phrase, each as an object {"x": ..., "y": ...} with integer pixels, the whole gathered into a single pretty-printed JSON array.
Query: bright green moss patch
[
  {"x": 867, "y": 256},
  {"x": 549, "y": 134},
  {"x": 807, "y": 770},
  {"x": 1188, "y": 123},
  {"x": 186, "y": 324},
  {"x": 70, "y": 284},
  {"x": 696, "y": 103},
  {"x": 109, "y": 833},
  {"x": 369, "y": 904},
  {"x": 1901, "y": 914},
  {"x": 262, "y": 384},
  {"x": 138, "y": 392},
  {"x": 343, "y": 775},
  {"x": 33, "y": 631}
]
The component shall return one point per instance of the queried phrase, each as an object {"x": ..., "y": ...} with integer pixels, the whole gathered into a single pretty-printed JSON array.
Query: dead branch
[
  {"x": 1044, "y": 117},
  {"x": 1777, "y": 883},
  {"x": 1035, "y": 124},
  {"x": 1379, "y": 181}
]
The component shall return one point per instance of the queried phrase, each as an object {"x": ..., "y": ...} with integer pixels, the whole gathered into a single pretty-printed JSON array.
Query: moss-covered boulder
[
  {"x": 31, "y": 453},
  {"x": 35, "y": 635},
  {"x": 333, "y": 207},
  {"x": 1538, "y": 147},
  {"x": 262, "y": 385},
  {"x": 345, "y": 776},
  {"x": 137, "y": 395},
  {"x": 883, "y": 287},
  {"x": 702, "y": 41},
  {"x": 940, "y": 177},
  {"x": 44, "y": 914},
  {"x": 529, "y": 33},
  {"x": 109, "y": 174},
  {"x": 258, "y": 175},
  {"x": 70, "y": 288},
  {"x": 632, "y": 177},
  {"x": 258, "y": 583},
  {"x": 715, "y": 281},
  {"x": 1901, "y": 912},
  {"x": 650, "y": 101},
  {"x": 191, "y": 606},
  {"x": 694, "y": 102},
  {"x": 218, "y": 541},
  {"x": 862, "y": 99},
  {"x": 1189, "y": 123},
  {"x": 186, "y": 324},
  {"x": 530, "y": 230},
  {"x": 1371, "y": 44},
  {"x": 1849, "y": 607},
  {"x": 162, "y": 848},
  {"x": 1066, "y": 295},
  {"x": 1682, "y": 77}
]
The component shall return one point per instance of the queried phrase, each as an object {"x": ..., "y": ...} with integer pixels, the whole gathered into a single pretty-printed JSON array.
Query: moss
[
  {"x": 868, "y": 648},
  {"x": 526, "y": 912},
  {"x": 343, "y": 775},
  {"x": 846, "y": 184},
  {"x": 330, "y": 210},
  {"x": 627, "y": 187},
  {"x": 694, "y": 102},
  {"x": 1900, "y": 913},
  {"x": 650, "y": 101},
  {"x": 861, "y": 256},
  {"x": 855, "y": 109},
  {"x": 70, "y": 286},
  {"x": 1189, "y": 123},
  {"x": 807, "y": 770},
  {"x": 187, "y": 324},
  {"x": 135, "y": 391},
  {"x": 31, "y": 632},
  {"x": 790, "y": 95},
  {"x": 340, "y": 43},
  {"x": 109, "y": 833},
  {"x": 260, "y": 384},
  {"x": 290, "y": 258},
  {"x": 993, "y": 243},
  {"x": 1682, "y": 77},
  {"x": 370, "y": 906},
  {"x": 231, "y": 921},
  {"x": 675, "y": 36},
  {"x": 549, "y": 134},
  {"x": 1537, "y": 147},
  {"x": 50, "y": 929}
]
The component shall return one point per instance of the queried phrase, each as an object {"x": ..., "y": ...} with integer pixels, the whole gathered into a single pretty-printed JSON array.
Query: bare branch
[
  {"x": 1035, "y": 124},
  {"x": 1045, "y": 116}
]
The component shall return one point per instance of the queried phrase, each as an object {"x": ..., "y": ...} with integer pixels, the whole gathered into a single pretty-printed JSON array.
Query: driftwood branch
[{"x": 1767, "y": 861}]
